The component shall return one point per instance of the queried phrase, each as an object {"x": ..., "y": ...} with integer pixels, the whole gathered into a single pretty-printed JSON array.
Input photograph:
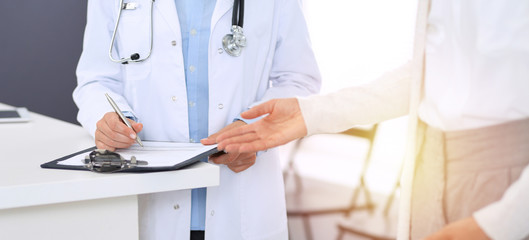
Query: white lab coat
[{"x": 246, "y": 205}]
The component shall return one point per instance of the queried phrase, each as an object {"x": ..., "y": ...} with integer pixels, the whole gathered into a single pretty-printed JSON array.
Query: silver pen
[{"x": 123, "y": 118}]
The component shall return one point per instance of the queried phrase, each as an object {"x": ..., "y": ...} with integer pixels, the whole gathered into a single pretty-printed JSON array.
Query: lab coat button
[
  {"x": 174, "y": 98},
  {"x": 176, "y": 207},
  {"x": 220, "y": 50},
  {"x": 212, "y": 212},
  {"x": 173, "y": 43},
  {"x": 220, "y": 106}
]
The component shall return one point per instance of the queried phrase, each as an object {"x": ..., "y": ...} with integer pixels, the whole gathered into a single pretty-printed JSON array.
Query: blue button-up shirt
[{"x": 195, "y": 25}]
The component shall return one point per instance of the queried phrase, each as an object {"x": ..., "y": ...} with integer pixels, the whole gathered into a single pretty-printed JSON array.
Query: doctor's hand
[
  {"x": 112, "y": 133},
  {"x": 466, "y": 228},
  {"x": 283, "y": 124},
  {"x": 235, "y": 161}
]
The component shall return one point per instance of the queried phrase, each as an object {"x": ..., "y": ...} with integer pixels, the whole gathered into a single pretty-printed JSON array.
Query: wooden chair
[{"x": 313, "y": 197}]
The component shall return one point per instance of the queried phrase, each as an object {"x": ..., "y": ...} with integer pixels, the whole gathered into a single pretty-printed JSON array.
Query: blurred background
[
  {"x": 40, "y": 44},
  {"x": 355, "y": 41}
]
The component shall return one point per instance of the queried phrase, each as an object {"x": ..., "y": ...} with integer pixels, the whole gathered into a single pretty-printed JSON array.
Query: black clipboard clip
[{"x": 104, "y": 161}]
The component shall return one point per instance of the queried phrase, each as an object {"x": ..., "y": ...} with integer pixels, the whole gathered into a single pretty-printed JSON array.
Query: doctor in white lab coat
[{"x": 277, "y": 62}]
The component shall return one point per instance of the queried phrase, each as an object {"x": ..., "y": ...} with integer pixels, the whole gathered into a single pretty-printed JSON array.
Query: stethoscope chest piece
[{"x": 235, "y": 42}]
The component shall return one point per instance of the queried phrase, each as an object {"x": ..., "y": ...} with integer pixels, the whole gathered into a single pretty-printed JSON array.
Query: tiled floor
[{"x": 338, "y": 159}]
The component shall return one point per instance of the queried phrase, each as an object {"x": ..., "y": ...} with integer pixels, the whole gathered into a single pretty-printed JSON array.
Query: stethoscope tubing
[
  {"x": 238, "y": 9},
  {"x": 232, "y": 47},
  {"x": 130, "y": 59}
]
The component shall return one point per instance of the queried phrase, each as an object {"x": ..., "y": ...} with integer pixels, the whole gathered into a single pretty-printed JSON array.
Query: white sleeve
[
  {"x": 96, "y": 74},
  {"x": 294, "y": 71},
  {"x": 385, "y": 98},
  {"x": 508, "y": 218}
]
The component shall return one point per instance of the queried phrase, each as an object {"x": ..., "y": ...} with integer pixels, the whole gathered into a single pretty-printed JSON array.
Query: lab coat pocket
[
  {"x": 134, "y": 37},
  {"x": 134, "y": 31}
]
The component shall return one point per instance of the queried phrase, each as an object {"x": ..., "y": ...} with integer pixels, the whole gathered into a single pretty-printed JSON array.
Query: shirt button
[
  {"x": 173, "y": 43},
  {"x": 191, "y": 140},
  {"x": 193, "y": 32},
  {"x": 220, "y": 106},
  {"x": 220, "y": 50},
  {"x": 174, "y": 98},
  {"x": 212, "y": 212},
  {"x": 191, "y": 104},
  {"x": 192, "y": 68},
  {"x": 176, "y": 207}
]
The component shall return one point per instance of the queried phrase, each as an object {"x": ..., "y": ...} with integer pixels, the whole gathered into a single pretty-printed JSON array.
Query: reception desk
[{"x": 37, "y": 203}]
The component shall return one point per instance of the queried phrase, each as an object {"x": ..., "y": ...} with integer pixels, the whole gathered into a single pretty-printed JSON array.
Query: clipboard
[{"x": 56, "y": 164}]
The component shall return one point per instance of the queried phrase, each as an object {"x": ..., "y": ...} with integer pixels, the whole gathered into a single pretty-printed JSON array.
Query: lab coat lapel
[
  {"x": 167, "y": 9},
  {"x": 221, "y": 8}
]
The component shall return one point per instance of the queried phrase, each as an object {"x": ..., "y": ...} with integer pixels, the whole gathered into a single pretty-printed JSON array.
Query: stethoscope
[
  {"x": 235, "y": 42},
  {"x": 232, "y": 43}
]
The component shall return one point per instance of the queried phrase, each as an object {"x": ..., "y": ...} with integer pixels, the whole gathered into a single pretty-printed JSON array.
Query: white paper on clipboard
[{"x": 157, "y": 154}]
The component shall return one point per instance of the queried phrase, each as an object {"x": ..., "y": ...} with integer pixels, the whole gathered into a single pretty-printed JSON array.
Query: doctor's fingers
[
  {"x": 136, "y": 126},
  {"x": 112, "y": 121},
  {"x": 113, "y": 134},
  {"x": 223, "y": 158},
  {"x": 122, "y": 142},
  {"x": 241, "y": 166},
  {"x": 234, "y": 157},
  {"x": 243, "y": 162},
  {"x": 102, "y": 145},
  {"x": 114, "y": 128}
]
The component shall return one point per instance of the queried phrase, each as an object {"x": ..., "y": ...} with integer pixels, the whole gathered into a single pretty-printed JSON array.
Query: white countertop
[{"x": 25, "y": 146}]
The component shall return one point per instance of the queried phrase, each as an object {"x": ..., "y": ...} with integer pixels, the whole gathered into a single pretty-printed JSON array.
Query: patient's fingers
[
  {"x": 255, "y": 146},
  {"x": 247, "y": 137},
  {"x": 235, "y": 132},
  {"x": 259, "y": 110}
]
